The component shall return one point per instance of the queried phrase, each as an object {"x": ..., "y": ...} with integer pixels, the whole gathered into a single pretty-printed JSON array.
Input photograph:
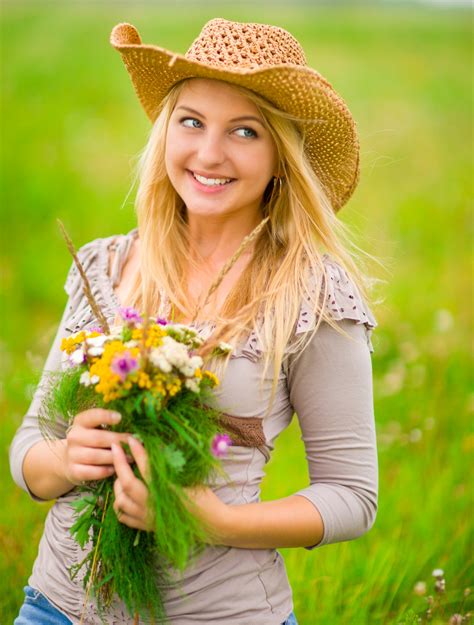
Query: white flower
[
  {"x": 158, "y": 359},
  {"x": 172, "y": 353},
  {"x": 87, "y": 380},
  {"x": 95, "y": 351},
  {"x": 77, "y": 357},
  {"x": 131, "y": 343},
  {"x": 226, "y": 348},
  {"x": 192, "y": 384},
  {"x": 176, "y": 353},
  {"x": 420, "y": 588},
  {"x": 196, "y": 362},
  {"x": 437, "y": 573},
  {"x": 97, "y": 341}
]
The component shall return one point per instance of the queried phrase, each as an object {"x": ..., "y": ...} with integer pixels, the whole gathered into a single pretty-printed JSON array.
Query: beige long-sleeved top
[{"x": 329, "y": 387}]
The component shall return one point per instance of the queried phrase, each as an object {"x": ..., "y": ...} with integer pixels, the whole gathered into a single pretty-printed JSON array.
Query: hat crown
[{"x": 234, "y": 45}]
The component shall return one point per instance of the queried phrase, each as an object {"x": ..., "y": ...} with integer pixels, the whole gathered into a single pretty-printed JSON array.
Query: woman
[{"x": 242, "y": 131}]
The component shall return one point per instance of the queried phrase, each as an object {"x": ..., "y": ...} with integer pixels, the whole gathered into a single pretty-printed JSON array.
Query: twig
[
  {"x": 87, "y": 287},
  {"x": 94, "y": 560},
  {"x": 145, "y": 327},
  {"x": 229, "y": 264}
]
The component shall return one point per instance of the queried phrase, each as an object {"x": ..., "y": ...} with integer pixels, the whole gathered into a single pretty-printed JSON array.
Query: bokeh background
[{"x": 71, "y": 128}]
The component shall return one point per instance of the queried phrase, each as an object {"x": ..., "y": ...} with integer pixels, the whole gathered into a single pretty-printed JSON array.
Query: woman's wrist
[{"x": 43, "y": 469}]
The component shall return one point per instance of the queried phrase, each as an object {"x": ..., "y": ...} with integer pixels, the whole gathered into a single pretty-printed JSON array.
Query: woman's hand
[
  {"x": 88, "y": 453},
  {"x": 131, "y": 493},
  {"x": 131, "y": 496}
]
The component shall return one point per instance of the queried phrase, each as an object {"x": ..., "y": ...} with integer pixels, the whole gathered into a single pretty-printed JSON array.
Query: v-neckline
[{"x": 112, "y": 296}]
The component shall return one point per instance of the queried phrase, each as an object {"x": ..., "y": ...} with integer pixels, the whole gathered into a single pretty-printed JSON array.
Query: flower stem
[{"x": 94, "y": 560}]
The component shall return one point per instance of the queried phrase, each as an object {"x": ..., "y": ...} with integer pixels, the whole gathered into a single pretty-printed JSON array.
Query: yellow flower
[
  {"x": 110, "y": 385},
  {"x": 154, "y": 335},
  {"x": 173, "y": 386},
  {"x": 69, "y": 344},
  {"x": 212, "y": 377}
]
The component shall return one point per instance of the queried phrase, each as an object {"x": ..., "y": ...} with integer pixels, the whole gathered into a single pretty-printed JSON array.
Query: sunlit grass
[{"x": 71, "y": 130}]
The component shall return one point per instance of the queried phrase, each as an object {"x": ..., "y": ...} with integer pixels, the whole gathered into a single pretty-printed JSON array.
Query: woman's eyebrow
[{"x": 236, "y": 119}]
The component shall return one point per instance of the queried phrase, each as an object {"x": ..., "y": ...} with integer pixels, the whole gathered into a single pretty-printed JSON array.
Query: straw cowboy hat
[{"x": 269, "y": 61}]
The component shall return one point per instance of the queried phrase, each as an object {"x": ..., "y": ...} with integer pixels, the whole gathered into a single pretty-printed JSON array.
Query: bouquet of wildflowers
[
  {"x": 149, "y": 371},
  {"x": 150, "y": 374}
]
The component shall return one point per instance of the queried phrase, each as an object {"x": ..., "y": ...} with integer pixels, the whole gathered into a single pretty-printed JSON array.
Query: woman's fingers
[
  {"x": 92, "y": 437},
  {"x": 131, "y": 494},
  {"x": 93, "y": 456},
  {"x": 81, "y": 473},
  {"x": 123, "y": 504},
  {"x": 124, "y": 472},
  {"x": 94, "y": 417},
  {"x": 140, "y": 456}
]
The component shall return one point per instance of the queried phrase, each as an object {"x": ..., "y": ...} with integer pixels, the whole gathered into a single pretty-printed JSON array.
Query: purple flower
[
  {"x": 130, "y": 315},
  {"x": 96, "y": 329},
  {"x": 123, "y": 364},
  {"x": 161, "y": 321},
  {"x": 220, "y": 444}
]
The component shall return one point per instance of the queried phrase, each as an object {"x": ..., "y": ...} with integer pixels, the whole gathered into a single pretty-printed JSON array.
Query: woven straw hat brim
[{"x": 331, "y": 140}]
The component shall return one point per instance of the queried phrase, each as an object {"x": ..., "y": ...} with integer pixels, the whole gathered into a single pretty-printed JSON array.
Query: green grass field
[{"x": 71, "y": 128}]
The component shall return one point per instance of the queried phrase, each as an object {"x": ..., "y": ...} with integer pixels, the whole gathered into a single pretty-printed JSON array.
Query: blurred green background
[{"x": 71, "y": 130}]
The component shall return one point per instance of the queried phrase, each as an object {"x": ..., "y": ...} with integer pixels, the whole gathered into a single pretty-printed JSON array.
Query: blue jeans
[
  {"x": 37, "y": 610},
  {"x": 291, "y": 620}
]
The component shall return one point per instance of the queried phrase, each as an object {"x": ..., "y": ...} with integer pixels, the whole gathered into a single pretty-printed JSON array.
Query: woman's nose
[{"x": 211, "y": 149}]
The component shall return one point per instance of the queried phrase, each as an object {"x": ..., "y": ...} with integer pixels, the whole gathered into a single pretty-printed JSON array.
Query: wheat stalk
[
  {"x": 86, "y": 287},
  {"x": 229, "y": 264},
  {"x": 145, "y": 327},
  {"x": 94, "y": 559}
]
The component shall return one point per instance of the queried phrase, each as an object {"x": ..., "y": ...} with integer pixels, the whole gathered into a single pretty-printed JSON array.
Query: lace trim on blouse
[{"x": 343, "y": 300}]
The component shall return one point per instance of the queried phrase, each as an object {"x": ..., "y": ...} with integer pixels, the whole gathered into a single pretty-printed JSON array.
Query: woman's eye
[
  {"x": 251, "y": 132},
  {"x": 191, "y": 120}
]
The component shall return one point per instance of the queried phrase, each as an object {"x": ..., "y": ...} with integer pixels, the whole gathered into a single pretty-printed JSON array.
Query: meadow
[{"x": 71, "y": 130}]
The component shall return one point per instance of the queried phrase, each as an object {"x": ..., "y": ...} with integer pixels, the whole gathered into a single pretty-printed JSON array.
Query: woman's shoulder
[
  {"x": 342, "y": 299},
  {"x": 94, "y": 257}
]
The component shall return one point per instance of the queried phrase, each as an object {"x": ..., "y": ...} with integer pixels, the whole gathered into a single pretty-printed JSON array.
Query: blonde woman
[{"x": 244, "y": 134}]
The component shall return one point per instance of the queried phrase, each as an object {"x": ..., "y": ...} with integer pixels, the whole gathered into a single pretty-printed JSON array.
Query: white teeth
[{"x": 210, "y": 182}]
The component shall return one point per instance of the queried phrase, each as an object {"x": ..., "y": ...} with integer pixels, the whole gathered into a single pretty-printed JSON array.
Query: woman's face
[{"x": 220, "y": 156}]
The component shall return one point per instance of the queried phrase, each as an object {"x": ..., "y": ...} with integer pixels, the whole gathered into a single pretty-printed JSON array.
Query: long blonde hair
[{"x": 302, "y": 227}]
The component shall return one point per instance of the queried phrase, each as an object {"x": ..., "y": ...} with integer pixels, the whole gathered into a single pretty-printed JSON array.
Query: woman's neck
[{"x": 214, "y": 240}]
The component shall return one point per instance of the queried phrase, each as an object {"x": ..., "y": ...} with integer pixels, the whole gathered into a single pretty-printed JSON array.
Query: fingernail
[
  {"x": 116, "y": 416},
  {"x": 114, "y": 448},
  {"x": 132, "y": 440}
]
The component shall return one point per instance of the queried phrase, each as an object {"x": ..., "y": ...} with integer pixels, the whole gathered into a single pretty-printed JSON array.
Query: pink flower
[
  {"x": 96, "y": 329},
  {"x": 220, "y": 444},
  {"x": 130, "y": 315},
  {"x": 123, "y": 364},
  {"x": 161, "y": 321}
]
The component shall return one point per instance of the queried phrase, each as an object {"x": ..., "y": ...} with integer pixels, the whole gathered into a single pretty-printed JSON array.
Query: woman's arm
[
  {"x": 47, "y": 469},
  {"x": 289, "y": 522},
  {"x": 53, "y": 468},
  {"x": 330, "y": 387},
  {"x": 331, "y": 390}
]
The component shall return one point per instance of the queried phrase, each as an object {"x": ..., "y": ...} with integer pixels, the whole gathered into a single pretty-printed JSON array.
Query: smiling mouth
[{"x": 211, "y": 182}]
